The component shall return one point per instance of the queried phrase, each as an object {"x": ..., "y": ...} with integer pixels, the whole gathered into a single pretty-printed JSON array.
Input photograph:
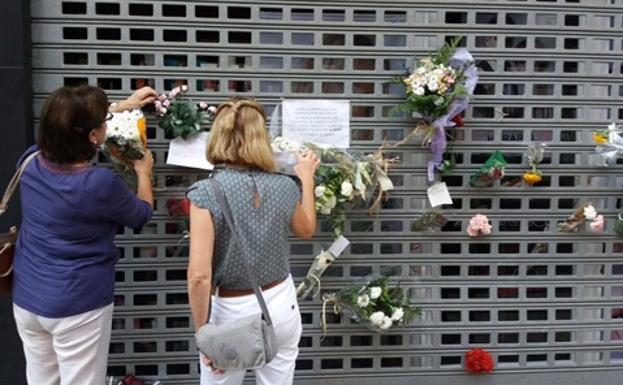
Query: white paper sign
[
  {"x": 339, "y": 246},
  {"x": 438, "y": 195},
  {"x": 325, "y": 123},
  {"x": 189, "y": 153}
]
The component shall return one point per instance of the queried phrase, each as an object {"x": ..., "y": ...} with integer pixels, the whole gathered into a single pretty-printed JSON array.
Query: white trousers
[
  {"x": 284, "y": 312},
  {"x": 65, "y": 351}
]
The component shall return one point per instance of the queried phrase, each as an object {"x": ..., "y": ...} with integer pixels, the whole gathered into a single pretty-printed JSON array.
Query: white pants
[
  {"x": 65, "y": 351},
  {"x": 284, "y": 312}
]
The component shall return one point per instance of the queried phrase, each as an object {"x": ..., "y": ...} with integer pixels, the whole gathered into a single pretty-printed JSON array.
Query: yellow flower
[
  {"x": 532, "y": 177},
  {"x": 600, "y": 138}
]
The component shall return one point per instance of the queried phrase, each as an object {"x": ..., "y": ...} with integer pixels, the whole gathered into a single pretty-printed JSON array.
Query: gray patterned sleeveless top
[{"x": 265, "y": 228}]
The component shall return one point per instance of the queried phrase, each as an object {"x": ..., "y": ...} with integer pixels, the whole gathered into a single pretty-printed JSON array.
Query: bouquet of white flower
[
  {"x": 374, "y": 304},
  {"x": 126, "y": 140},
  {"x": 284, "y": 152}
]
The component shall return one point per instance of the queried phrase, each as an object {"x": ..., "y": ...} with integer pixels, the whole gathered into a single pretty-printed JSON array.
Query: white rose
[
  {"x": 377, "y": 318},
  {"x": 331, "y": 202},
  {"x": 590, "y": 213},
  {"x": 319, "y": 191},
  {"x": 432, "y": 85},
  {"x": 398, "y": 314},
  {"x": 375, "y": 292},
  {"x": 387, "y": 323},
  {"x": 347, "y": 189},
  {"x": 363, "y": 300},
  {"x": 419, "y": 91}
]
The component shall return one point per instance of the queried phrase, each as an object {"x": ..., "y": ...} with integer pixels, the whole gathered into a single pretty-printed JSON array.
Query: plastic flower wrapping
[
  {"x": 438, "y": 89},
  {"x": 181, "y": 118},
  {"x": 344, "y": 179},
  {"x": 375, "y": 304},
  {"x": 585, "y": 214},
  {"x": 535, "y": 157},
  {"x": 126, "y": 141},
  {"x": 609, "y": 145},
  {"x": 310, "y": 287},
  {"x": 492, "y": 170}
]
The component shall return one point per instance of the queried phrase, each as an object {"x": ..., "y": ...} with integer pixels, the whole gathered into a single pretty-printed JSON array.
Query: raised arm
[{"x": 303, "y": 223}]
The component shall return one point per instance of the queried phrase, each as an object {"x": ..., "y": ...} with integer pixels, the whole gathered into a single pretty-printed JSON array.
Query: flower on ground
[
  {"x": 363, "y": 300},
  {"x": 590, "y": 213},
  {"x": 532, "y": 178},
  {"x": 478, "y": 225},
  {"x": 478, "y": 361},
  {"x": 375, "y": 292}
]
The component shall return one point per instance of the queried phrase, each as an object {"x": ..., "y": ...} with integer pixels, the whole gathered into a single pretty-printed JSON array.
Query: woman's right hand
[
  {"x": 145, "y": 165},
  {"x": 207, "y": 362},
  {"x": 307, "y": 165}
]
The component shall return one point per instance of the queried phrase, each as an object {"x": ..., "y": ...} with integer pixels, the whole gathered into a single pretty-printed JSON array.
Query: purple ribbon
[{"x": 438, "y": 145}]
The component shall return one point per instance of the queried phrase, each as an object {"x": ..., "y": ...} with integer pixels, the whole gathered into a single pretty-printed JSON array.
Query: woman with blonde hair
[{"x": 264, "y": 207}]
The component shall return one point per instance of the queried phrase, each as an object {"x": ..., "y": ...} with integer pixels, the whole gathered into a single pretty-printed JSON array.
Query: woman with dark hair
[{"x": 64, "y": 272}]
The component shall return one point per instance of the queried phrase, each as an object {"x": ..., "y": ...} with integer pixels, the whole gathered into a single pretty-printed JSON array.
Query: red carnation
[
  {"x": 478, "y": 360},
  {"x": 458, "y": 120},
  {"x": 185, "y": 206}
]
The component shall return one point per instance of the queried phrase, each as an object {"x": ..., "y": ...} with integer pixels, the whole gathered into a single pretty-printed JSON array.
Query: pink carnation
[
  {"x": 184, "y": 88},
  {"x": 478, "y": 225},
  {"x": 598, "y": 224},
  {"x": 212, "y": 109}
]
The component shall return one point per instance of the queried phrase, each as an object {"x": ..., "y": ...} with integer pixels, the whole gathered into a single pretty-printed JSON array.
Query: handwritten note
[
  {"x": 325, "y": 123},
  {"x": 438, "y": 194},
  {"x": 189, "y": 153}
]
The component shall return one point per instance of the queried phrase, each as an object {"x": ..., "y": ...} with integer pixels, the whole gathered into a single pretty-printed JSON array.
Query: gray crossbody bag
[{"x": 245, "y": 343}]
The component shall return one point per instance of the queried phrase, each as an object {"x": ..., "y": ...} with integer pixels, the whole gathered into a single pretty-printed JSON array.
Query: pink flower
[
  {"x": 184, "y": 88},
  {"x": 158, "y": 105},
  {"x": 163, "y": 111},
  {"x": 478, "y": 226},
  {"x": 598, "y": 224},
  {"x": 174, "y": 92},
  {"x": 212, "y": 109},
  {"x": 203, "y": 105},
  {"x": 166, "y": 103}
]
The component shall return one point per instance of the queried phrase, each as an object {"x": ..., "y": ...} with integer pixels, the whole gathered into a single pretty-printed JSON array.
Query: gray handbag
[{"x": 245, "y": 343}]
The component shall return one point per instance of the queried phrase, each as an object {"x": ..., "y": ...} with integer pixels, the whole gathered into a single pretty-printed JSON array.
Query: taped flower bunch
[
  {"x": 478, "y": 226},
  {"x": 585, "y": 214},
  {"x": 535, "y": 157},
  {"x": 375, "y": 304},
  {"x": 181, "y": 118}
]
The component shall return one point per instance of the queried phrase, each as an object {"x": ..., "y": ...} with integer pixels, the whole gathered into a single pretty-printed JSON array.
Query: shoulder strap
[
  {"x": 220, "y": 198},
  {"x": 8, "y": 193}
]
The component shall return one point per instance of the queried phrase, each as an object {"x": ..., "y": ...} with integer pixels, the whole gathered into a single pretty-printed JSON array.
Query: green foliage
[{"x": 183, "y": 119}]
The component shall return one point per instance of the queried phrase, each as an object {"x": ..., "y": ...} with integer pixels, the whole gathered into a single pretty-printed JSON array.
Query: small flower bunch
[
  {"x": 180, "y": 208},
  {"x": 310, "y": 287},
  {"x": 126, "y": 136},
  {"x": 609, "y": 144},
  {"x": 535, "y": 157},
  {"x": 284, "y": 152},
  {"x": 181, "y": 118},
  {"x": 478, "y": 226},
  {"x": 479, "y": 361},
  {"x": 438, "y": 89},
  {"x": 586, "y": 213},
  {"x": 492, "y": 170},
  {"x": 376, "y": 305}
]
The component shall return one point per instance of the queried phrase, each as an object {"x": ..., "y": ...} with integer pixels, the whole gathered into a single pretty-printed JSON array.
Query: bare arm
[
  {"x": 139, "y": 99},
  {"x": 200, "y": 264},
  {"x": 143, "y": 168},
  {"x": 303, "y": 223}
]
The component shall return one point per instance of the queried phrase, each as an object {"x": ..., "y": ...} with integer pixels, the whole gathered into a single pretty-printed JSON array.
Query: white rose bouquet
[
  {"x": 126, "y": 140},
  {"x": 375, "y": 304}
]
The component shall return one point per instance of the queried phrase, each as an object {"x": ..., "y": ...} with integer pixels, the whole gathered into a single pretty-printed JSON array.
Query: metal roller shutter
[{"x": 543, "y": 302}]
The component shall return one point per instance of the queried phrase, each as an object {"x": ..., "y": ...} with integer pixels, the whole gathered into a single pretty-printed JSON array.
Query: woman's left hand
[{"x": 139, "y": 99}]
